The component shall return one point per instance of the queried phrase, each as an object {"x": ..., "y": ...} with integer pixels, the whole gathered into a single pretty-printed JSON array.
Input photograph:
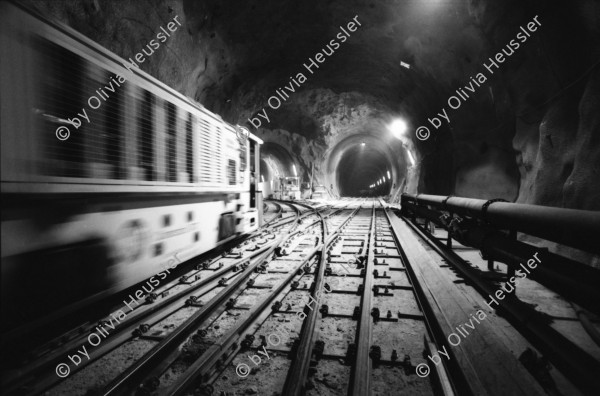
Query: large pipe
[
  {"x": 579, "y": 366},
  {"x": 575, "y": 281},
  {"x": 576, "y": 228}
]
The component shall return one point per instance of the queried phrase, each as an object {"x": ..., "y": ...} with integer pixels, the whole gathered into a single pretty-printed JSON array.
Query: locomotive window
[
  {"x": 158, "y": 249},
  {"x": 96, "y": 136},
  {"x": 59, "y": 75},
  {"x": 146, "y": 136},
  {"x": 231, "y": 171},
  {"x": 189, "y": 148},
  {"x": 171, "y": 142},
  {"x": 114, "y": 127}
]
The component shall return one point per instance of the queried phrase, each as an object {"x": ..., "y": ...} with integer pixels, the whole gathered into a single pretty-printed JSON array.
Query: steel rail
[
  {"x": 215, "y": 354},
  {"x": 122, "y": 333},
  {"x": 573, "y": 280},
  {"x": 127, "y": 380},
  {"x": 457, "y": 381},
  {"x": 147, "y": 312},
  {"x": 577, "y": 228},
  {"x": 296, "y": 376},
  {"x": 276, "y": 216},
  {"x": 439, "y": 373},
  {"x": 361, "y": 378},
  {"x": 219, "y": 350},
  {"x": 291, "y": 219},
  {"x": 161, "y": 351},
  {"x": 579, "y": 366}
]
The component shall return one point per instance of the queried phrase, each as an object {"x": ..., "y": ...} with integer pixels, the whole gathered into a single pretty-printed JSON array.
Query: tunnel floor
[{"x": 252, "y": 316}]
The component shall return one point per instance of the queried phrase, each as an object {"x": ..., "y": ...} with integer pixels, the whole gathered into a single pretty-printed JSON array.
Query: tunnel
[
  {"x": 361, "y": 161},
  {"x": 353, "y": 175},
  {"x": 362, "y": 181},
  {"x": 275, "y": 162}
]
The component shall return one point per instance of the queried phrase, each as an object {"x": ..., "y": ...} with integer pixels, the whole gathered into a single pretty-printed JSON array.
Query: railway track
[
  {"x": 271, "y": 211},
  {"x": 327, "y": 301},
  {"x": 356, "y": 338},
  {"x": 87, "y": 350}
]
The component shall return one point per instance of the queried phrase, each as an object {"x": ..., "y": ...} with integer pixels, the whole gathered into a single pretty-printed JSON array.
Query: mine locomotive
[{"x": 95, "y": 205}]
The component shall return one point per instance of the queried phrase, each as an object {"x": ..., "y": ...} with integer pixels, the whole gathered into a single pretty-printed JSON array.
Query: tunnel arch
[
  {"x": 358, "y": 168},
  {"x": 359, "y": 160},
  {"x": 275, "y": 161}
]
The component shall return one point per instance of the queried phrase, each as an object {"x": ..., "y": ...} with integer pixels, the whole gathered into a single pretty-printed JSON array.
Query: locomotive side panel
[{"x": 146, "y": 174}]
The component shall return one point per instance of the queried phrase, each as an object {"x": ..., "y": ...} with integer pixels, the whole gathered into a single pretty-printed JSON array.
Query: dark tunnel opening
[
  {"x": 275, "y": 162},
  {"x": 265, "y": 171},
  {"x": 360, "y": 168}
]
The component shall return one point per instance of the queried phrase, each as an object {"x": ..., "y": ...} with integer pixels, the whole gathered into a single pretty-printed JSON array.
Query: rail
[{"x": 569, "y": 278}]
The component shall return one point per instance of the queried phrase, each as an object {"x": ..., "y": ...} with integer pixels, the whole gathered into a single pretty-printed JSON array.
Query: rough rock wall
[
  {"x": 341, "y": 121},
  {"x": 553, "y": 89},
  {"x": 303, "y": 152},
  {"x": 193, "y": 60}
]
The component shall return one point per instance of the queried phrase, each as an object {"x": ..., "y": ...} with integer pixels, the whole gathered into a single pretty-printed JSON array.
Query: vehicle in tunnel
[
  {"x": 150, "y": 176},
  {"x": 290, "y": 188}
]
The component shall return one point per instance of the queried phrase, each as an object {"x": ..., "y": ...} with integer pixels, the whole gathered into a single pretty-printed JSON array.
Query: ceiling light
[
  {"x": 398, "y": 128},
  {"x": 294, "y": 167},
  {"x": 262, "y": 178},
  {"x": 403, "y": 64},
  {"x": 389, "y": 177}
]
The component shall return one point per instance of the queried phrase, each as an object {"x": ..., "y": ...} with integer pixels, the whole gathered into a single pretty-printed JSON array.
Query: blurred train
[
  {"x": 290, "y": 188},
  {"x": 151, "y": 174}
]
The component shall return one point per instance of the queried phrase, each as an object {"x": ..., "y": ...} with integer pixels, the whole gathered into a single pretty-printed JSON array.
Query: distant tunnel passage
[
  {"x": 275, "y": 161},
  {"x": 360, "y": 167},
  {"x": 365, "y": 164}
]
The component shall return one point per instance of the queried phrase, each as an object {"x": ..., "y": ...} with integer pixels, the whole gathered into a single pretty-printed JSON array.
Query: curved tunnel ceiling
[
  {"x": 275, "y": 161},
  {"x": 361, "y": 159},
  {"x": 506, "y": 140},
  {"x": 359, "y": 168}
]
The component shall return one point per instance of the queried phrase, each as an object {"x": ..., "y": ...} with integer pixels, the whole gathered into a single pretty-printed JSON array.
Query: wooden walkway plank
[{"x": 488, "y": 366}]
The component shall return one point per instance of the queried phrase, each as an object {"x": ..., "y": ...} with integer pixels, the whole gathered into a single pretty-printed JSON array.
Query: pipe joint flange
[
  {"x": 445, "y": 203},
  {"x": 486, "y": 205}
]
